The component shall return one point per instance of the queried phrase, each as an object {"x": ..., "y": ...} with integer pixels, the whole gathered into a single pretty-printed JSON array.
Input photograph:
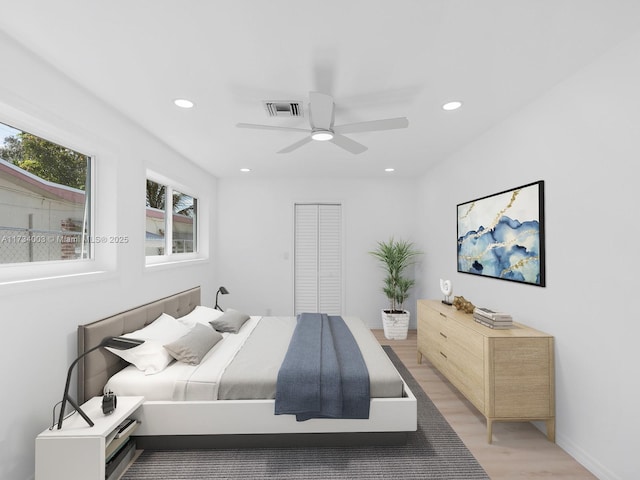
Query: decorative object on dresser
[
  {"x": 461, "y": 303},
  {"x": 395, "y": 257},
  {"x": 447, "y": 289},
  {"x": 502, "y": 235},
  {"x": 223, "y": 291},
  {"x": 507, "y": 374},
  {"x": 492, "y": 319},
  {"x": 119, "y": 343}
]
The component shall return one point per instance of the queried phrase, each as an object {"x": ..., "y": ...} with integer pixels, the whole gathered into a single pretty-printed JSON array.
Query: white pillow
[
  {"x": 151, "y": 357},
  {"x": 200, "y": 314}
]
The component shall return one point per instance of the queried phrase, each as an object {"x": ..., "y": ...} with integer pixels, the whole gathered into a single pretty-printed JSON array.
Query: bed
[{"x": 224, "y": 411}]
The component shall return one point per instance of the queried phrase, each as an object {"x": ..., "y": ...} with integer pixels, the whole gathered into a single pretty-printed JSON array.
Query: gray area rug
[{"x": 434, "y": 451}]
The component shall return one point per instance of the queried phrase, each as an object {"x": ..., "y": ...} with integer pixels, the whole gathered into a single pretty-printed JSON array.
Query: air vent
[{"x": 283, "y": 109}]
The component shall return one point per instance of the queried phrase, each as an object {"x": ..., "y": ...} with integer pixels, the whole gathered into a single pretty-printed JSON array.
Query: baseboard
[{"x": 586, "y": 460}]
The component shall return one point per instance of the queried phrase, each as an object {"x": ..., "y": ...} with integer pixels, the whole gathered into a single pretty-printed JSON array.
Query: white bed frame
[{"x": 197, "y": 424}]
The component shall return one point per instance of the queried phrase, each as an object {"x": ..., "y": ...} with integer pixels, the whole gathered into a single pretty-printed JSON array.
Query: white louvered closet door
[{"x": 318, "y": 258}]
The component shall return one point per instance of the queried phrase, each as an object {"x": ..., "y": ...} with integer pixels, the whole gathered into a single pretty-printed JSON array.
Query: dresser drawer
[
  {"x": 439, "y": 360},
  {"x": 431, "y": 346},
  {"x": 466, "y": 372},
  {"x": 428, "y": 336},
  {"x": 435, "y": 326},
  {"x": 465, "y": 339},
  {"x": 436, "y": 337},
  {"x": 429, "y": 319},
  {"x": 456, "y": 351},
  {"x": 451, "y": 329}
]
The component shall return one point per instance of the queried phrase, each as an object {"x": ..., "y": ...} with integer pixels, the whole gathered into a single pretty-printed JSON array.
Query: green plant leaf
[{"x": 394, "y": 257}]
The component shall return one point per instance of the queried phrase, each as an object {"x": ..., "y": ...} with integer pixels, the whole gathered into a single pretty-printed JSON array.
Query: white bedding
[
  {"x": 180, "y": 381},
  {"x": 230, "y": 372}
]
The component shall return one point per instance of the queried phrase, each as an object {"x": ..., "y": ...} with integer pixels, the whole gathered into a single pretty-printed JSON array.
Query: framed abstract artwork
[{"x": 502, "y": 235}]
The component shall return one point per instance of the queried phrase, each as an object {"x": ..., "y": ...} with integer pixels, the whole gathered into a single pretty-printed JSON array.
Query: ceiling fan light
[{"x": 322, "y": 135}]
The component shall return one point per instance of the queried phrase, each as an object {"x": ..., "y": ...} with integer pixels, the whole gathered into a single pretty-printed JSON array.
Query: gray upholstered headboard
[{"x": 96, "y": 368}]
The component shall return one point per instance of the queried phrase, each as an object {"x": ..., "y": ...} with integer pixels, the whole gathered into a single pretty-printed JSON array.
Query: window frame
[
  {"x": 169, "y": 257},
  {"x": 52, "y": 270}
]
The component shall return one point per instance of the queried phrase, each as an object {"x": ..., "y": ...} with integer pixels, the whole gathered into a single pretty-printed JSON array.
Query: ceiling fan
[{"x": 321, "y": 118}]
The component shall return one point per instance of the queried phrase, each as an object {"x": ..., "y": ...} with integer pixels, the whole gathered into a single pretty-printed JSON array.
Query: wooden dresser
[{"x": 506, "y": 374}]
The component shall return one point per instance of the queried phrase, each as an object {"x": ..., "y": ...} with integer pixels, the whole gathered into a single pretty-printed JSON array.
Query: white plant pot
[{"x": 395, "y": 325}]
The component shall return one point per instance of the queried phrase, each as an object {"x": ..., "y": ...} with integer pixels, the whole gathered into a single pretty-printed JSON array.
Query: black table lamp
[
  {"x": 223, "y": 291},
  {"x": 119, "y": 343}
]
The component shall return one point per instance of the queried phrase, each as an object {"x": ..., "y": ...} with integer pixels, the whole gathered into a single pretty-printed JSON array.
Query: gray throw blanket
[{"x": 323, "y": 374}]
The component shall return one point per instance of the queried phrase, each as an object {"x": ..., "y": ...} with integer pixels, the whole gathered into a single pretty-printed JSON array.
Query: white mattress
[
  {"x": 230, "y": 372},
  {"x": 180, "y": 381}
]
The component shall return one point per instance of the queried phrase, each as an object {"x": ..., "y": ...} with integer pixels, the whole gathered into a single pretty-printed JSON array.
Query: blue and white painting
[{"x": 502, "y": 235}]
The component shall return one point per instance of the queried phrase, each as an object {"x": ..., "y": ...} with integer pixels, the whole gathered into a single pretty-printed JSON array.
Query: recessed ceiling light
[
  {"x": 389, "y": 169},
  {"x": 183, "y": 103},
  {"x": 322, "y": 135},
  {"x": 245, "y": 170},
  {"x": 452, "y": 105}
]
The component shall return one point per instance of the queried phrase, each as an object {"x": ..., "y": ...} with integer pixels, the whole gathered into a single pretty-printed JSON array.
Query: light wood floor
[{"x": 518, "y": 451}]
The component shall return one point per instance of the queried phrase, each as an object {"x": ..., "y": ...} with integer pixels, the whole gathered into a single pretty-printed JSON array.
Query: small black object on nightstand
[{"x": 109, "y": 402}]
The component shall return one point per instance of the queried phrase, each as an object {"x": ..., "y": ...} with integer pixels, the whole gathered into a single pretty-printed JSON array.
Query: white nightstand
[{"x": 77, "y": 451}]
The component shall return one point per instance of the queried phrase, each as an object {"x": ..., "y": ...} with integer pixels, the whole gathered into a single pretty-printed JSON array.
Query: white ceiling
[{"x": 379, "y": 59}]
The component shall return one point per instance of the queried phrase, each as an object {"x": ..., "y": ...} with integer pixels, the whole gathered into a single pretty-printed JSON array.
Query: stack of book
[
  {"x": 492, "y": 319},
  {"x": 120, "y": 449}
]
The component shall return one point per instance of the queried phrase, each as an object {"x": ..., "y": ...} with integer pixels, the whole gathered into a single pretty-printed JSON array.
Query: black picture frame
[{"x": 502, "y": 235}]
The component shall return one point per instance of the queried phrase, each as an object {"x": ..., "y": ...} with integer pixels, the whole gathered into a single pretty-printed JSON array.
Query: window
[
  {"x": 184, "y": 223},
  {"x": 172, "y": 223},
  {"x": 156, "y": 222},
  {"x": 45, "y": 200}
]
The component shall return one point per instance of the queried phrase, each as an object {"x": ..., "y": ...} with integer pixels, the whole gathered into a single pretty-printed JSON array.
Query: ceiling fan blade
[
  {"x": 372, "y": 126},
  {"x": 271, "y": 127},
  {"x": 320, "y": 110},
  {"x": 296, "y": 145},
  {"x": 348, "y": 144}
]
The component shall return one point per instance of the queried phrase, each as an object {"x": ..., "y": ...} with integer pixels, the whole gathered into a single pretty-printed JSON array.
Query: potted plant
[{"x": 395, "y": 256}]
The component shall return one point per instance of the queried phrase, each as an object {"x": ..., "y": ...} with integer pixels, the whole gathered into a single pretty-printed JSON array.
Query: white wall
[
  {"x": 39, "y": 319},
  {"x": 581, "y": 138},
  {"x": 255, "y": 239}
]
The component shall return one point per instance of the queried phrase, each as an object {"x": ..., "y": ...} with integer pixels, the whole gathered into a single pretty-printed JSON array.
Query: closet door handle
[
  {"x": 442, "y": 314},
  {"x": 443, "y": 355},
  {"x": 443, "y": 335}
]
